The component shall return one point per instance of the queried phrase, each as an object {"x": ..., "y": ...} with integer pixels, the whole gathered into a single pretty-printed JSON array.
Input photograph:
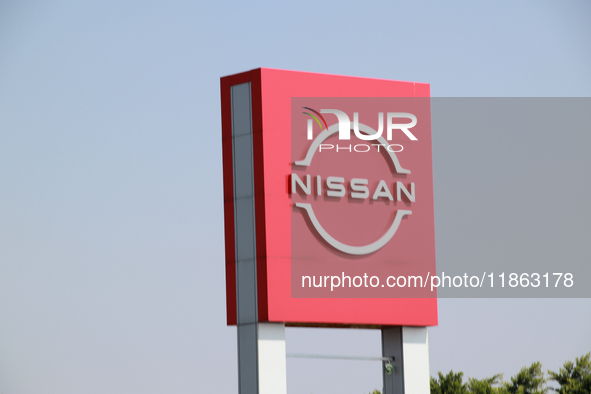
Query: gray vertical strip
[
  {"x": 248, "y": 376},
  {"x": 244, "y": 224},
  {"x": 392, "y": 347}
]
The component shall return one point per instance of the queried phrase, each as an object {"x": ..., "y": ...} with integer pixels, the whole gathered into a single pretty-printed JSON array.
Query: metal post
[
  {"x": 272, "y": 359},
  {"x": 410, "y": 348},
  {"x": 392, "y": 347},
  {"x": 261, "y": 359}
]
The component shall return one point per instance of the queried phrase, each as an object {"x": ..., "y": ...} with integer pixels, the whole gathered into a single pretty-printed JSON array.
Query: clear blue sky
[{"x": 111, "y": 234}]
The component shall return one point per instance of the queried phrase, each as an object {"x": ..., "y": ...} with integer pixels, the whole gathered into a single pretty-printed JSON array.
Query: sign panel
[{"x": 328, "y": 200}]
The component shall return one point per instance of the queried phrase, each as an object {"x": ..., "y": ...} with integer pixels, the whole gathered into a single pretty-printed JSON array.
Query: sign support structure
[
  {"x": 269, "y": 239},
  {"x": 409, "y": 346}
]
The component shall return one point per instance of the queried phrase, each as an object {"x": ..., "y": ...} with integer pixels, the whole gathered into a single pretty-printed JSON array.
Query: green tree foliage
[
  {"x": 485, "y": 386},
  {"x": 574, "y": 378},
  {"x": 452, "y": 383},
  {"x": 527, "y": 381},
  {"x": 448, "y": 384}
]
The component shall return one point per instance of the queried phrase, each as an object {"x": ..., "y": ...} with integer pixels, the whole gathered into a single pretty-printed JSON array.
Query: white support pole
[
  {"x": 272, "y": 362},
  {"x": 262, "y": 367},
  {"x": 415, "y": 346},
  {"x": 410, "y": 348}
]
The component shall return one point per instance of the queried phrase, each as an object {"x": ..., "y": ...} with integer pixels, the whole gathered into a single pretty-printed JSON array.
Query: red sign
[{"x": 328, "y": 199}]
